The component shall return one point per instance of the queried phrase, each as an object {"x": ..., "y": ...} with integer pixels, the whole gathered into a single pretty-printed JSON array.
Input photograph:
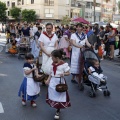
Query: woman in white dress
[
  {"x": 78, "y": 40},
  {"x": 48, "y": 43},
  {"x": 59, "y": 69},
  {"x": 35, "y": 44}
]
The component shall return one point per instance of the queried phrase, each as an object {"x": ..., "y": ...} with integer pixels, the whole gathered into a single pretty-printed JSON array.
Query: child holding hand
[
  {"x": 59, "y": 69},
  {"x": 29, "y": 89}
]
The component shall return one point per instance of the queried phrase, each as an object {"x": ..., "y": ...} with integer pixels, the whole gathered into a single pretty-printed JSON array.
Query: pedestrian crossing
[
  {"x": 2, "y": 40},
  {"x": 1, "y": 108}
]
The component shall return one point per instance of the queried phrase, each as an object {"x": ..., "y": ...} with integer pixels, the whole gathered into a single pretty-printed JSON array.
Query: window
[
  {"x": 49, "y": 13},
  {"x": 13, "y": 4},
  {"x": 89, "y": 5},
  {"x": 67, "y": 11},
  {"x": 32, "y": 1},
  {"x": 19, "y": 2},
  {"x": 49, "y": 2},
  {"x": 8, "y": 13},
  {"x": 22, "y": 2},
  {"x": 8, "y": 3}
]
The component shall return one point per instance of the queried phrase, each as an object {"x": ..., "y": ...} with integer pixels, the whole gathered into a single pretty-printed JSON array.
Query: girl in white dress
[
  {"x": 59, "y": 69},
  {"x": 29, "y": 89}
]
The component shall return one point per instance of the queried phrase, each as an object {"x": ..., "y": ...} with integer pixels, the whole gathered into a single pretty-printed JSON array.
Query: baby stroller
[
  {"x": 24, "y": 47},
  {"x": 89, "y": 79}
]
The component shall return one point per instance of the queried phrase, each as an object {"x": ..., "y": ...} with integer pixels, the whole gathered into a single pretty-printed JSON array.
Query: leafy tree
[
  {"x": 15, "y": 12},
  {"x": 2, "y": 11},
  {"x": 29, "y": 15},
  {"x": 65, "y": 20},
  {"x": 119, "y": 6}
]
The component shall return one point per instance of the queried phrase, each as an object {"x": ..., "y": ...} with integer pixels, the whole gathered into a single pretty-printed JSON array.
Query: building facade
[
  {"x": 52, "y": 10},
  {"x": 55, "y": 10},
  {"x": 89, "y": 10},
  {"x": 108, "y": 9}
]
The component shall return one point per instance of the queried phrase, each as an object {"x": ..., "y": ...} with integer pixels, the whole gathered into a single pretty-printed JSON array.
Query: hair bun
[{"x": 61, "y": 51}]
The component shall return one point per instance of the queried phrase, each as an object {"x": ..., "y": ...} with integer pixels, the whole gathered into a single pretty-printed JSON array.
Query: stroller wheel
[
  {"x": 106, "y": 93},
  {"x": 92, "y": 94}
]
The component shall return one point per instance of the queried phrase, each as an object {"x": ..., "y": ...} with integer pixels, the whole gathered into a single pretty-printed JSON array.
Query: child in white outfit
[
  {"x": 96, "y": 71},
  {"x": 59, "y": 69}
]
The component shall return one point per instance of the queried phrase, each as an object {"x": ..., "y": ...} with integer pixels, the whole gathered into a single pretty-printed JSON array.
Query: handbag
[
  {"x": 62, "y": 87},
  {"x": 39, "y": 79}
]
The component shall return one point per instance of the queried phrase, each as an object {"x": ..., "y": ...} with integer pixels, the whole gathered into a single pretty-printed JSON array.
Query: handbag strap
[
  {"x": 39, "y": 67},
  {"x": 33, "y": 72},
  {"x": 61, "y": 80}
]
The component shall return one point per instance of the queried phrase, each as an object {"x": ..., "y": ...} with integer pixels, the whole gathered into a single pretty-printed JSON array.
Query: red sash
[
  {"x": 50, "y": 37},
  {"x": 56, "y": 65}
]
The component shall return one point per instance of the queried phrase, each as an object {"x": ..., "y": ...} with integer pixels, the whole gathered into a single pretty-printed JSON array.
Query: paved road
[{"x": 83, "y": 107}]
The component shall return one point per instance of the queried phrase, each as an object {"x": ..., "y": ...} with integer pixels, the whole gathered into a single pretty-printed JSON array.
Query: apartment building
[
  {"x": 89, "y": 10},
  {"x": 52, "y": 10},
  {"x": 108, "y": 9}
]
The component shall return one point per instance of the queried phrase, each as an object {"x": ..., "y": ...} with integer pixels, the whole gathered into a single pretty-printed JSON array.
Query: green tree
[
  {"x": 29, "y": 15},
  {"x": 15, "y": 12},
  {"x": 2, "y": 11},
  {"x": 119, "y": 6},
  {"x": 65, "y": 20}
]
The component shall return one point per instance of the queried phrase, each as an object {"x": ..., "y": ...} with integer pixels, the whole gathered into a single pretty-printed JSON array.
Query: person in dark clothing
[
  {"x": 107, "y": 46},
  {"x": 38, "y": 33}
]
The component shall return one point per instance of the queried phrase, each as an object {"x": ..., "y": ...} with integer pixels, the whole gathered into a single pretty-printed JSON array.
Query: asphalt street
[{"x": 83, "y": 107}]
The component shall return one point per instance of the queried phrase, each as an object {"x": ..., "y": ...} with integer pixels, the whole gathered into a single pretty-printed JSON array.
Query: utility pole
[{"x": 94, "y": 4}]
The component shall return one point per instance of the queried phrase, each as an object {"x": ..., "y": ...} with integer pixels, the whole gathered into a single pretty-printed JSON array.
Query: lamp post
[{"x": 94, "y": 4}]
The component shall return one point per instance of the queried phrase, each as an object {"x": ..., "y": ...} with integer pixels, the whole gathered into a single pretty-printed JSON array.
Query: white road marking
[
  {"x": 1, "y": 48},
  {"x": 1, "y": 108}
]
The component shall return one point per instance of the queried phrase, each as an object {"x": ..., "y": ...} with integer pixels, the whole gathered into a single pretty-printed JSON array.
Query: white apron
[
  {"x": 47, "y": 61},
  {"x": 33, "y": 88},
  {"x": 53, "y": 94},
  {"x": 75, "y": 58}
]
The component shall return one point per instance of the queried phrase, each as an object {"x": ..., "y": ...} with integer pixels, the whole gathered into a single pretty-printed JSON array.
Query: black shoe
[
  {"x": 111, "y": 58},
  {"x": 118, "y": 55},
  {"x": 74, "y": 81},
  {"x": 81, "y": 87}
]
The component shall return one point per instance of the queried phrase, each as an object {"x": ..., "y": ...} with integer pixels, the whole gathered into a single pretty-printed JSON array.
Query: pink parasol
[{"x": 82, "y": 20}]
